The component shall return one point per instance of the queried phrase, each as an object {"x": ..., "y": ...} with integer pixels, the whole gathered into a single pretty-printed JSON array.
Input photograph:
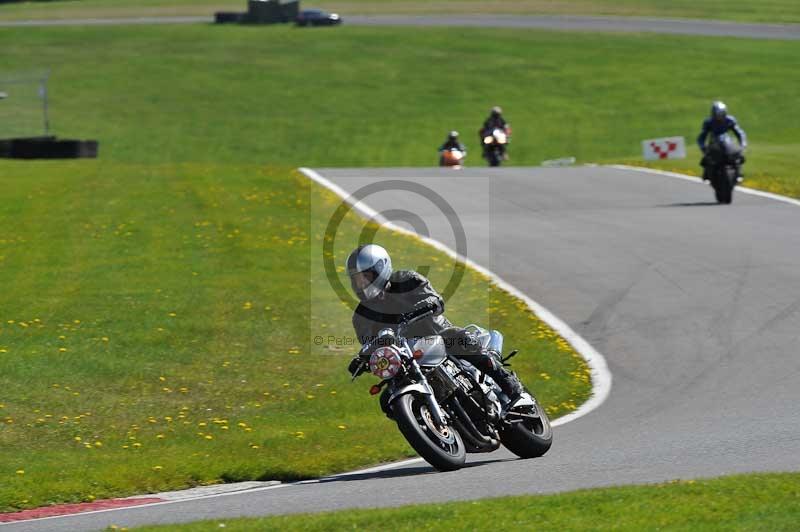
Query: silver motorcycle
[{"x": 444, "y": 406}]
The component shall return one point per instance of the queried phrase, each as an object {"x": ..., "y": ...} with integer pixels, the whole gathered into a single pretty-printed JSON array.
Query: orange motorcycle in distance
[{"x": 452, "y": 157}]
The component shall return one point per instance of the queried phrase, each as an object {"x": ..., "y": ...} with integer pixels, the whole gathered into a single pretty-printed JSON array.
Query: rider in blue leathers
[{"x": 718, "y": 124}]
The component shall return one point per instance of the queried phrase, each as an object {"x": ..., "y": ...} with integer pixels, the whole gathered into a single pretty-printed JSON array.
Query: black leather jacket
[
  {"x": 494, "y": 122},
  {"x": 450, "y": 144},
  {"x": 407, "y": 291}
]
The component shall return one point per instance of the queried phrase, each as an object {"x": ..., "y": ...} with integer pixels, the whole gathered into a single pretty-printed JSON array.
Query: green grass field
[
  {"x": 151, "y": 296},
  {"x": 155, "y": 333},
  {"x": 387, "y": 97},
  {"x": 736, "y": 503},
  {"x": 786, "y": 11}
]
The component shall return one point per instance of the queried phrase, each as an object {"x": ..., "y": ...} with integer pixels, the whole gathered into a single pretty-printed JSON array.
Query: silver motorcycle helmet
[
  {"x": 369, "y": 268},
  {"x": 719, "y": 110}
]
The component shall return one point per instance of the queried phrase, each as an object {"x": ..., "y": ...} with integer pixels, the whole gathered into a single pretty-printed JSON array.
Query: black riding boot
[
  {"x": 704, "y": 164},
  {"x": 507, "y": 381}
]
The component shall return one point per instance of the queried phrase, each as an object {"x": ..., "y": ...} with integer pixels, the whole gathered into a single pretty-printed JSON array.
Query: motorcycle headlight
[{"x": 385, "y": 362}]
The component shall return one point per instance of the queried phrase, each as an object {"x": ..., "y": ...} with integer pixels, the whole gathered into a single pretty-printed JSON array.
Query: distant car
[{"x": 317, "y": 17}]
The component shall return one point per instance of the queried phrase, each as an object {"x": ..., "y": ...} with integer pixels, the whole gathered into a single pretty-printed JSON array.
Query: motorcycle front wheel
[
  {"x": 724, "y": 184},
  {"x": 530, "y": 436},
  {"x": 441, "y": 447}
]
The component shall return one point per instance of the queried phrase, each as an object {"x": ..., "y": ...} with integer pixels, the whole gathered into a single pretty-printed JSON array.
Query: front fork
[{"x": 436, "y": 411}]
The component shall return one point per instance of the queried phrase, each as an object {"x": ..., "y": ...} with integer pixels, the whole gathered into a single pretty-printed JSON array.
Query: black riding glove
[
  {"x": 357, "y": 366},
  {"x": 419, "y": 309}
]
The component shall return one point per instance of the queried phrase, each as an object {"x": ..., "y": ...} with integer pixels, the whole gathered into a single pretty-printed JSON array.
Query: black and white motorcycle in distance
[
  {"x": 444, "y": 406},
  {"x": 723, "y": 156},
  {"x": 495, "y": 142}
]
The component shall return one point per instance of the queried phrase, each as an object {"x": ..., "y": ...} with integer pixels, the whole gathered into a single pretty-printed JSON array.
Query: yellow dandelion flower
[
  {"x": 342, "y": 427},
  {"x": 20, "y": 471},
  {"x": 157, "y": 468}
]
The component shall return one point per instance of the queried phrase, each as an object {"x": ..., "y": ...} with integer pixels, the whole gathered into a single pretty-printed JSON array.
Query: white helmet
[
  {"x": 719, "y": 110},
  {"x": 369, "y": 268}
]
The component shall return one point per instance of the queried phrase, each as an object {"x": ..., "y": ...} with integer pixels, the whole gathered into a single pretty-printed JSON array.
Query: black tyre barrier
[
  {"x": 228, "y": 17},
  {"x": 48, "y": 148}
]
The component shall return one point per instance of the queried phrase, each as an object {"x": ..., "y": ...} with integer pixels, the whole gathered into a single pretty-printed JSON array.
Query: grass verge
[
  {"x": 387, "y": 96},
  {"x": 745, "y": 502},
  {"x": 155, "y": 333},
  {"x": 151, "y": 324},
  {"x": 785, "y": 11}
]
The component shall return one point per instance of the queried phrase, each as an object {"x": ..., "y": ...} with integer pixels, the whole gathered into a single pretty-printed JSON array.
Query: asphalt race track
[
  {"x": 695, "y": 306},
  {"x": 557, "y": 23}
]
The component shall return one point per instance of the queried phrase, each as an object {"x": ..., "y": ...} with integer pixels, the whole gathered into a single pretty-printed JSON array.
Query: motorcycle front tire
[
  {"x": 408, "y": 412},
  {"x": 724, "y": 184}
]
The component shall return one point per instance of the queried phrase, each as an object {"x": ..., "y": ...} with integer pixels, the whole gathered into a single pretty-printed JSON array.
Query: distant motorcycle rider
[
  {"x": 390, "y": 297},
  {"x": 452, "y": 143},
  {"x": 495, "y": 121},
  {"x": 717, "y": 125}
]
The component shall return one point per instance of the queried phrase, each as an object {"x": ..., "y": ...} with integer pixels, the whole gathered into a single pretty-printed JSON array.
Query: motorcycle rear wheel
[
  {"x": 529, "y": 438},
  {"x": 441, "y": 448}
]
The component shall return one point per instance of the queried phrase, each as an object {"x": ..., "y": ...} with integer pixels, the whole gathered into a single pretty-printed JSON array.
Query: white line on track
[
  {"x": 744, "y": 190},
  {"x": 601, "y": 376}
]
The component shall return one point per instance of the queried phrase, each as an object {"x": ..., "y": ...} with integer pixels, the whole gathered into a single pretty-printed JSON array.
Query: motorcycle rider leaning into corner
[
  {"x": 495, "y": 121},
  {"x": 389, "y": 297},
  {"x": 719, "y": 123}
]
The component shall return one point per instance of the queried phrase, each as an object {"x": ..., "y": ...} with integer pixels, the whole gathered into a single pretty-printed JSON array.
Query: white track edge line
[
  {"x": 744, "y": 190},
  {"x": 376, "y": 469},
  {"x": 601, "y": 376}
]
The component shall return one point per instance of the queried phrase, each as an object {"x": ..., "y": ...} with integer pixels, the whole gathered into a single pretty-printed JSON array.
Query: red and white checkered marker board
[{"x": 666, "y": 148}]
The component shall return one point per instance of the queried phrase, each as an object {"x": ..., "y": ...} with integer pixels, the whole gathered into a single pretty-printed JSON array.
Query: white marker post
[{"x": 664, "y": 148}]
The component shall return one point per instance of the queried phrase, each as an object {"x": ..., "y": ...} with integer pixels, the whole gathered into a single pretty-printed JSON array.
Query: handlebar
[{"x": 403, "y": 325}]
